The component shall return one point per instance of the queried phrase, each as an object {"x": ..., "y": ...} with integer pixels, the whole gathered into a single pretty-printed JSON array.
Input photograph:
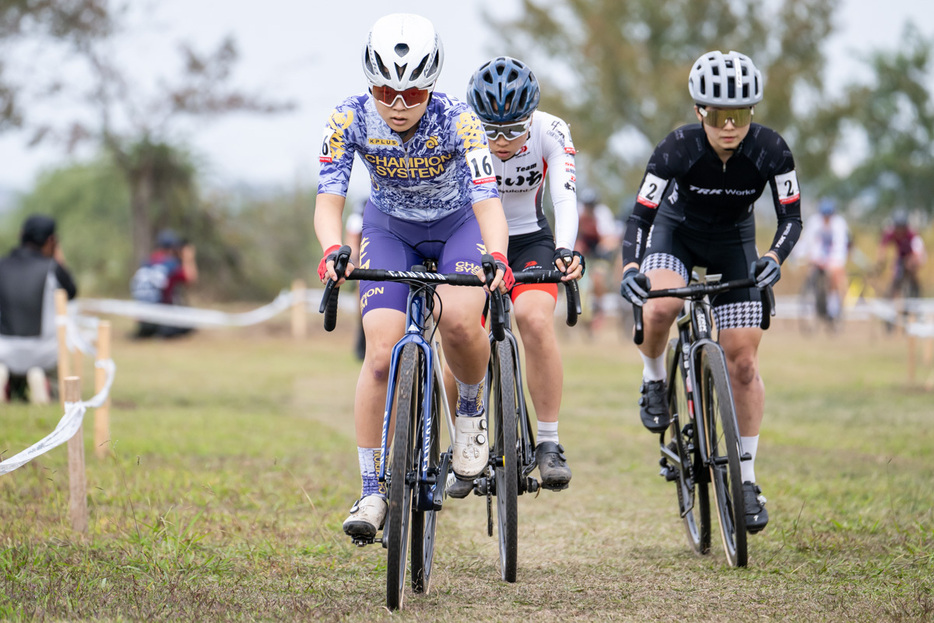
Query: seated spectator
[
  {"x": 29, "y": 276},
  {"x": 169, "y": 266}
]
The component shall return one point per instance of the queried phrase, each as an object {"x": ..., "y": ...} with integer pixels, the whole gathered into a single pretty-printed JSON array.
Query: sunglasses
[
  {"x": 410, "y": 97},
  {"x": 717, "y": 117},
  {"x": 511, "y": 131}
]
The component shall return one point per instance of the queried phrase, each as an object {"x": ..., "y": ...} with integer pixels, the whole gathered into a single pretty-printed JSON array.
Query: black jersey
[
  {"x": 24, "y": 277},
  {"x": 687, "y": 180}
]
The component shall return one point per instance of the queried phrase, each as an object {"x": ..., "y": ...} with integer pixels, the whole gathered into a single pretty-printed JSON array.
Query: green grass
[{"x": 232, "y": 464}]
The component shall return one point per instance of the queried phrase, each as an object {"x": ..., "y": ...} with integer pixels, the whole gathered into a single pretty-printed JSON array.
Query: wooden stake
[
  {"x": 64, "y": 361},
  {"x": 299, "y": 315},
  {"x": 77, "y": 478},
  {"x": 102, "y": 413}
]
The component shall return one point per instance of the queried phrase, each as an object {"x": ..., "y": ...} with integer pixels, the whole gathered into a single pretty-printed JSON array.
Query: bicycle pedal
[
  {"x": 363, "y": 541},
  {"x": 532, "y": 485},
  {"x": 555, "y": 487},
  {"x": 669, "y": 474}
]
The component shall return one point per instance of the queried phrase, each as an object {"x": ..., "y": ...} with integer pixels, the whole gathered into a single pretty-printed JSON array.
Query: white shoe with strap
[
  {"x": 366, "y": 517},
  {"x": 471, "y": 450}
]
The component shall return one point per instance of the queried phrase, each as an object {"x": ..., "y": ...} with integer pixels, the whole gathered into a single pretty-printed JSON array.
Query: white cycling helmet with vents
[
  {"x": 403, "y": 51},
  {"x": 725, "y": 80}
]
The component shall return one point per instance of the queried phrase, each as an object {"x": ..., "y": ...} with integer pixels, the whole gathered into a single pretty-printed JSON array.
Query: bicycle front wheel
[
  {"x": 424, "y": 522},
  {"x": 690, "y": 477},
  {"x": 506, "y": 458},
  {"x": 402, "y": 471},
  {"x": 723, "y": 452}
]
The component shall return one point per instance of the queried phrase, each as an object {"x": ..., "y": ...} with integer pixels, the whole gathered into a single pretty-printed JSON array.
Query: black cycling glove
[
  {"x": 765, "y": 271},
  {"x": 635, "y": 287}
]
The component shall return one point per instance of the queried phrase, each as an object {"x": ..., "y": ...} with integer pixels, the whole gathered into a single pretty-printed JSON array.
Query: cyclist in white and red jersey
[
  {"x": 695, "y": 208},
  {"x": 530, "y": 145},
  {"x": 432, "y": 196}
]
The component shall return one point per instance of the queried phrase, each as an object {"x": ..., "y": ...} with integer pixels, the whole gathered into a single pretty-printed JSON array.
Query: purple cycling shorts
[{"x": 390, "y": 243}]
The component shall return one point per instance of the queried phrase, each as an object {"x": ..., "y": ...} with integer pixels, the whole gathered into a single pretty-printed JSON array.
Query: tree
[
  {"x": 617, "y": 69},
  {"x": 892, "y": 116},
  {"x": 138, "y": 128}
]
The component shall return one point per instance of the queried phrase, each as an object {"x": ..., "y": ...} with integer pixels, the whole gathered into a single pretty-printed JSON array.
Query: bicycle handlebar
[
  {"x": 571, "y": 289},
  {"x": 331, "y": 291},
  {"x": 698, "y": 290}
]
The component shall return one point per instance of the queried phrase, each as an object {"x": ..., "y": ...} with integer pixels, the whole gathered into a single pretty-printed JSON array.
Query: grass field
[{"x": 233, "y": 463}]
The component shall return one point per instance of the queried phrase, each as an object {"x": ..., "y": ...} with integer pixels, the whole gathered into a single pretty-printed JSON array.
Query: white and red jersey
[{"x": 520, "y": 180}]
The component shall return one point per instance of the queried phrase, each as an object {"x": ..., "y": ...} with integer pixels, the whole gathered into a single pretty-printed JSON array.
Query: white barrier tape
[
  {"x": 180, "y": 316},
  {"x": 67, "y": 426}
]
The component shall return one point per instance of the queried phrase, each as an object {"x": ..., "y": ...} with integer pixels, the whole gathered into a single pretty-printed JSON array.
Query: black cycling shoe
[
  {"x": 756, "y": 515},
  {"x": 457, "y": 488},
  {"x": 654, "y": 406},
  {"x": 552, "y": 466}
]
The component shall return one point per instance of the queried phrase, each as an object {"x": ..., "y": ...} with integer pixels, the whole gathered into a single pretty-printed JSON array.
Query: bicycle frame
[
  {"x": 419, "y": 324},
  {"x": 694, "y": 330},
  {"x": 527, "y": 447}
]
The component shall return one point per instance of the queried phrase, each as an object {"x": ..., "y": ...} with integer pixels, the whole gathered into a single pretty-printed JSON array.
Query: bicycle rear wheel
[
  {"x": 723, "y": 451},
  {"x": 506, "y": 458},
  {"x": 690, "y": 477},
  {"x": 424, "y": 522},
  {"x": 401, "y": 476}
]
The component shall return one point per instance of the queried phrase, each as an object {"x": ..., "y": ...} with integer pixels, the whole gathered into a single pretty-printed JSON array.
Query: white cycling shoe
[
  {"x": 471, "y": 451},
  {"x": 366, "y": 517}
]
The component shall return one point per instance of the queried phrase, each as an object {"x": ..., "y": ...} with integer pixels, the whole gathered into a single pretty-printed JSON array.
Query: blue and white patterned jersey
[{"x": 444, "y": 167}]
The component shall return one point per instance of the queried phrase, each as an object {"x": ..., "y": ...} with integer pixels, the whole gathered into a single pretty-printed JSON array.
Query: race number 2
[
  {"x": 787, "y": 186},
  {"x": 480, "y": 162},
  {"x": 650, "y": 195}
]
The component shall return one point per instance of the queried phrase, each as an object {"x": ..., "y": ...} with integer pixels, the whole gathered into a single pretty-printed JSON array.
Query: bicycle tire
[
  {"x": 402, "y": 462},
  {"x": 808, "y": 314},
  {"x": 424, "y": 522},
  {"x": 723, "y": 452},
  {"x": 506, "y": 459},
  {"x": 691, "y": 479}
]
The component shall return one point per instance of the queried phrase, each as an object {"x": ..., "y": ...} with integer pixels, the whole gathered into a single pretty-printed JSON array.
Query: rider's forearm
[
  {"x": 328, "y": 224},
  {"x": 492, "y": 222}
]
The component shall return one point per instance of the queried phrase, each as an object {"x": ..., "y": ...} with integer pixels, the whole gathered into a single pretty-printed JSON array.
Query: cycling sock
[
  {"x": 369, "y": 469},
  {"x": 469, "y": 399},
  {"x": 653, "y": 368},
  {"x": 748, "y": 468},
  {"x": 547, "y": 431}
]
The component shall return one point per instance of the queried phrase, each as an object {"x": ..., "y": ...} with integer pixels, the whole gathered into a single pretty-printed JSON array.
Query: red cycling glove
[
  {"x": 503, "y": 264},
  {"x": 329, "y": 255}
]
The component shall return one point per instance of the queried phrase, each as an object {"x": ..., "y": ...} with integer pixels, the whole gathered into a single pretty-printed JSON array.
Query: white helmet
[
  {"x": 725, "y": 80},
  {"x": 402, "y": 52}
]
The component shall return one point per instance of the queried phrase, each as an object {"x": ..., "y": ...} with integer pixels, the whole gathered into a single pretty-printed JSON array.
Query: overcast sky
[{"x": 309, "y": 52}]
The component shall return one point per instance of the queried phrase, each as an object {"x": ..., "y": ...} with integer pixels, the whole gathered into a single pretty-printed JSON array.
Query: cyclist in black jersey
[{"x": 695, "y": 208}]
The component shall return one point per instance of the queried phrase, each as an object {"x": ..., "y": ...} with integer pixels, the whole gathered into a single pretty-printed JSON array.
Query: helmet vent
[
  {"x": 417, "y": 72},
  {"x": 382, "y": 67},
  {"x": 401, "y": 49}
]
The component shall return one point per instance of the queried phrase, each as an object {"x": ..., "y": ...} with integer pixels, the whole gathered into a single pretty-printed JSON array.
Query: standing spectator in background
[
  {"x": 158, "y": 279},
  {"x": 29, "y": 276},
  {"x": 598, "y": 240},
  {"x": 909, "y": 256},
  {"x": 826, "y": 240}
]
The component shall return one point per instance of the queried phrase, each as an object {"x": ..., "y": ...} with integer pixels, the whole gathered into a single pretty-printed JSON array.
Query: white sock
[
  {"x": 547, "y": 431},
  {"x": 748, "y": 468},
  {"x": 469, "y": 399},
  {"x": 369, "y": 471},
  {"x": 654, "y": 368}
]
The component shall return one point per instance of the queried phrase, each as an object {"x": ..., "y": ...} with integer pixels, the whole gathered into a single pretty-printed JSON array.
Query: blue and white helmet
[
  {"x": 403, "y": 51},
  {"x": 503, "y": 90},
  {"x": 725, "y": 80}
]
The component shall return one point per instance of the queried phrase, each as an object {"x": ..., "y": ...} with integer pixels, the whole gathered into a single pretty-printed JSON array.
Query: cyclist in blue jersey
[
  {"x": 526, "y": 144},
  {"x": 695, "y": 208},
  {"x": 433, "y": 195}
]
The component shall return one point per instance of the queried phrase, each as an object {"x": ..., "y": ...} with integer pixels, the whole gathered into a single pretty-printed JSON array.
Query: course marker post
[
  {"x": 77, "y": 478},
  {"x": 299, "y": 311},
  {"x": 102, "y": 413}
]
